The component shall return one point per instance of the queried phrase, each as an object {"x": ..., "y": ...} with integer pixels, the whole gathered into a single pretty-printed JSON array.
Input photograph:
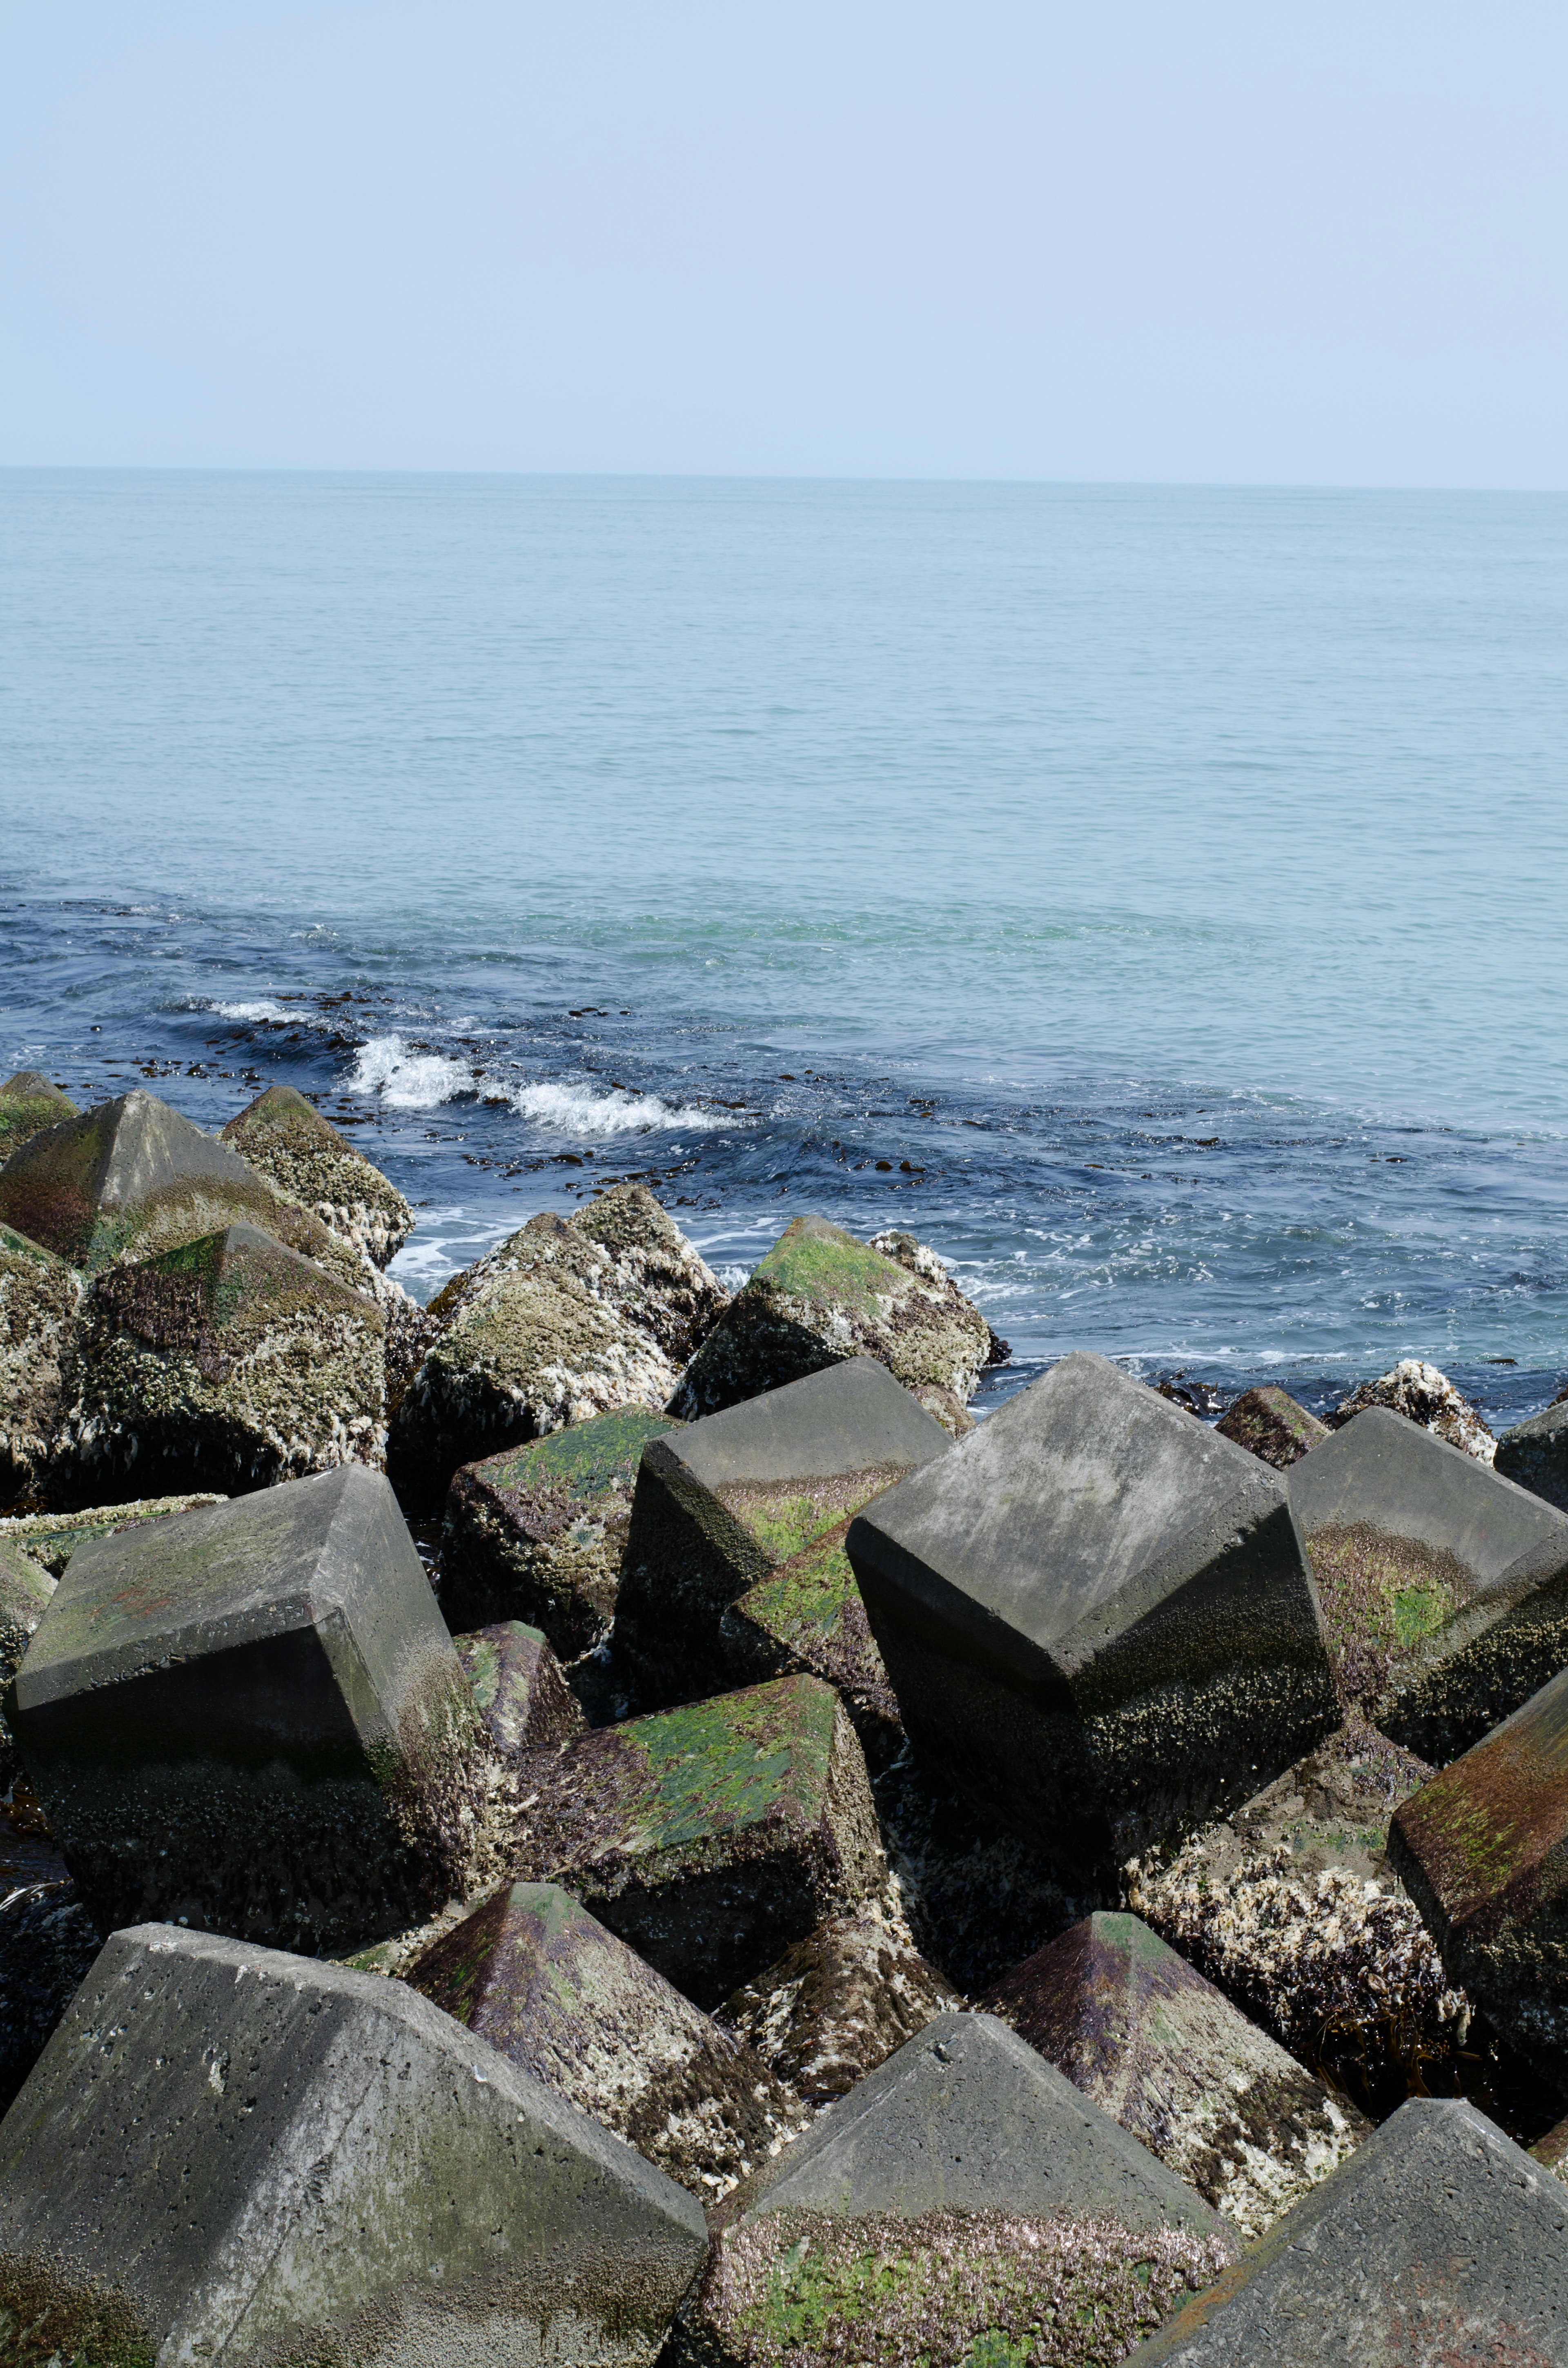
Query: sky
[{"x": 1227, "y": 241}]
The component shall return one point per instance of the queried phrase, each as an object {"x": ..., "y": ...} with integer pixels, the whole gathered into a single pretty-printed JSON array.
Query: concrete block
[
  {"x": 1097, "y": 1616},
  {"x": 711, "y": 1837},
  {"x": 1482, "y": 1850},
  {"x": 1444, "y": 1588},
  {"x": 250, "y": 1718},
  {"x": 1270, "y": 1425},
  {"x": 820, "y": 1296},
  {"x": 285, "y": 1138},
  {"x": 25, "y": 1590},
  {"x": 40, "y": 1303},
  {"x": 807, "y": 1615},
  {"x": 51, "y": 1539},
  {"x": 538, "y": 1532},
  {"x": 534, "y": 1975},
  {"x": 1534, "y": 1454},
  {"x": 29, "y": 1104},
  {"x": 522, "y": 1699},
  {"x": 1170, "y": 2058},
  {"x": 658, "y": 1280},
  {"x": 48, "y": 1941},
  {"x": 227, "y": 2152},
  {"x": 1437, "y": 2242},
  {"x": 836, "y": 2005},
  {"x": 724, "y": 1503}
]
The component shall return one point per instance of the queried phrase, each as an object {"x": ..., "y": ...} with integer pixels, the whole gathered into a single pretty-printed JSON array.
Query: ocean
[{"x": 1148, "y": 897}]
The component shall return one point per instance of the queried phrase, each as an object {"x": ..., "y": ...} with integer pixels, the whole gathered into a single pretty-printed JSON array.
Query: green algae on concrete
[
  {"x": 518, "y": 1691},
  {"x": 29, "y": 1105},
  {"x": 287, "y": 1140},
  {"x": 41, "y": 1305},
  {"x": 538, "y": 1532},
  {"x": 711, "y": 1836},
  {"x": 51, "y": 1539},
  {"x": 809, "y": 1615},
  {"x": 229, "y": 1362},
  {"x": 820, "y": 1296},
  {"x": 532, "y": 1973}
]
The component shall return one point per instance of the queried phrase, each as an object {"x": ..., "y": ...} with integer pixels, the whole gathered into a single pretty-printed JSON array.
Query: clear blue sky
[{"x": 1203, "y": 240}]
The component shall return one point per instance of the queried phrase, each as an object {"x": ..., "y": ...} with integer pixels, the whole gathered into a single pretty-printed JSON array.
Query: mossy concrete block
[
  {"x": 1270, "y": 1424},
  {"x": 522, "y": 1699},
  {"x": 541, "y": 1980},
  {"x": 230, "y": 1364},
  {"x": 228, "y": 2153},
  {"x": 808, "y": 1615},
  {"x": 1439, "y": 2241},
  {"x": 534, "y": 1340},
  {"x": 29, "y": 1104},
  {"x": 538, "y": 1532},
  {"x": 1444, "y": 1586},
  {"x": 1482, "y": 1850},
  {"x": 726, "y": 1502},
  {"x": 1096, "y": 1615},
  {"x": 1168, "y": 2057},
  {"x": 1534, "y": 1454},
  {"x": 250, "y": 1718},
  {"x": 820, "y": 1296},
  {"x": 51, "y": 1539},
  {"x": 836, "y": 2005},
  {"x": 711, "y": 1837},
  {"x": 41, "y": 1318},
  {"x": 285, "y": 1138}
]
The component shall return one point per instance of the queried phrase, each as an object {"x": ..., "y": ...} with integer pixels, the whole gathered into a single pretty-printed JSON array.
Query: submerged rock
[
  {"x": 1270, "y": 1425},
  {"x": 230, "y": 1361},
  {"x": 836, "y": 2005},
  {"x": 820, "y": 1296},
  {"x": 533, "y": 1974},
  {"x": 1424, "y": 1395},
  {"x": 40, "y": 1300},
  {"x": 29, "y": 1104},
  {"x": 287, "y": 1140}
]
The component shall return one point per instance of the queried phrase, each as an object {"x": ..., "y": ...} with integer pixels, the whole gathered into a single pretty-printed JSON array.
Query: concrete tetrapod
[
  {"x": 285, "y": 1138},
  {"x": 1437, "y": 2242},
  {"x": 1097, "y": 1616},
  {"x": 1270, "y": 1424},
  {"x": 1444, "y": 1588},
  {"x": 227, "y": 2152},
  {"x": 29, "y": 1103},
  {"x": 251, "y": 1717},
  {"x": 836, "y": 2005},
  {"x": 759, "y": 1493},
  {"x": 517, "y": 1688}
]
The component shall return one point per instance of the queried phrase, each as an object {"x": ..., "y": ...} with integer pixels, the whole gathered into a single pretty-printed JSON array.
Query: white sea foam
[
  {"x": 263, "y": 1010},
  {"x": 407, "y": 1079},
  {"x": 577, "y": 1110}
]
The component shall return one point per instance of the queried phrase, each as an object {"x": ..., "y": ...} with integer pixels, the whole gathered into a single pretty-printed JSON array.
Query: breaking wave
[
  {"x": 576, "y": 1109},
  {"x": 407, "y": 1079}
]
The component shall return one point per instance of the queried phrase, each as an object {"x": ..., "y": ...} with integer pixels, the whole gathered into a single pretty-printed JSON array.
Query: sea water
[{"x": 1150, "y": 897}]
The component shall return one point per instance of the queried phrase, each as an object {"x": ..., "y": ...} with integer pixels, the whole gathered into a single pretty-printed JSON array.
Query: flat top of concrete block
[
  {"x": 1385, "y": 1471},
  {"x": 852, "y": 1418},
  {"x": 585, "y": 1461},
  {"x": 1492, "y": 1816},
  {"x": 1065, "y": 1494},
  {"x": 968, "y": 2117}
]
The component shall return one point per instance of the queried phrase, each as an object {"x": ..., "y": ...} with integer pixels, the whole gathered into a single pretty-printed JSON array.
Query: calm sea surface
[{"x": 1152, "y": 898}]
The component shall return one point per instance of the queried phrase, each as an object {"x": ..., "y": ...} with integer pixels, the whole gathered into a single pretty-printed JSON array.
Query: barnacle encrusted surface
[
  {"x": 40, "y": 1299},
  {"x": 287, "y": 1140},
  {"x": 1424, "y": 1394},
  {"x": 659, "y": 1281},
  {"x": 230, "y": 1362},
  {"x": 29, "y": 1102},
  {"x": 949, "y": 2290},
  {"x": 837, "y": 2004},
  {"x": 1270, "y": 1424},
  {"x": 820, "y": 1296}
]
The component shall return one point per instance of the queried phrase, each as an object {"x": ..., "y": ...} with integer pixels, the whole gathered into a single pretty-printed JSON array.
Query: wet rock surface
[
  {"x": 524, "y": 1703},
  {"x": 1270, "y": 1424},
  {"x": 29, "y": 1104},
  {"x": 286, "y": 1140},
  {"x": 533, "y": 1974},
  {"x": 40, "y": 1300},
  {"x": 836, "y": 2005}
]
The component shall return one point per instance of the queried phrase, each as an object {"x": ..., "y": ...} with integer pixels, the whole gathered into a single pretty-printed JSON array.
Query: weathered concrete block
[
  {"x": 1444, "y": 1588},
  {"x": 1439, "y": 2241},
  {"x": 713, "y": 1836},
  {"x": 1425, "y": 1395},
  {"x": 1270, "y": 1425},
  {"x": 226, "y": 2152},
  {"x": 808, "y": 1615},
  {"x": 250, "y": 1718},
  {"x": 228, "y": 1362},
  {"x": 522, "y": 1699},
  {"x": 29, "y": 1104},
  {"x": 820, "y": 1296},
  {"x": 836, "y": 2005},
  {"x": 51, "y": 1539},
  {"x": 132, "y": 1177},
  {"x": 726, "y": 1502},
  {"x": 1096, "y": 1615},
  {"x": 287, "y": 1140},
  {"x": 1482, "y": 1850},
  {"x": 1169, "y": 2057},
  {"x": 40, "y": 1303},
  {"x": 659, "y": 1282},
  {"x": 25, "y": 1590},
  {"x": 536, "y": 1976},
  {"x": 1534, "y": 1454},
  {"x": 537, "y": 1533}
]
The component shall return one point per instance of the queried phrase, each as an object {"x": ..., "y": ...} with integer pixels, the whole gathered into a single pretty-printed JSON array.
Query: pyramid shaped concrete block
[
  {"x": 285, "y": 1138},
  {"x": 1168, "y": 2057},
  {"x": 522, "y": 1699},
  {"x": 1534, "y": 1454},
  {"x": 1270, "y": 1424},
  {"x": 227, "y": 2152},
  {"x": 41, "y": 1319},
  {"x": 250, "y": 1718},
  {"x": 807, "y": 1615},
  {"x": 1437, "y": 2242},
  {"x": 230, "y": 1363},
  {"x": 1444, "y": 1586},
  {"x": 29, "y": 1105},
  {"x": 725, "y": 1502},
  {"x": 839, "y": 2004},
  {"x": 536, "y": 1976},
  {"x": 1097, "y": 1616},
  {"x": 1482, "y": 1850}
]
